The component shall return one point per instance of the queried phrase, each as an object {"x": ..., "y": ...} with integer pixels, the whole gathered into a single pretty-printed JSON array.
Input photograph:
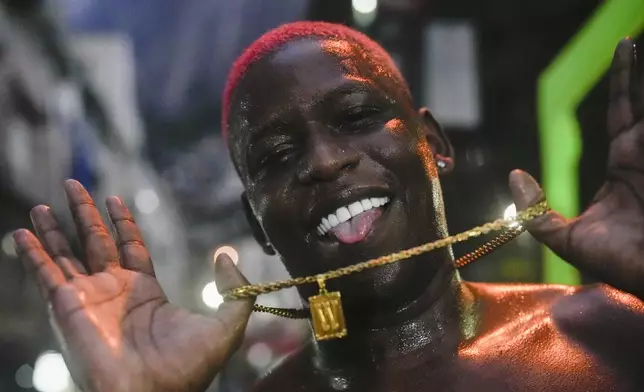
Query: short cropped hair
[{"x": 274, "y": 39}]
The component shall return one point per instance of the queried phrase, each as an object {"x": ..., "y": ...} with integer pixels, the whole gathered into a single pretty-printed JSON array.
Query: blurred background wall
[{"x": 124, "y": 96}]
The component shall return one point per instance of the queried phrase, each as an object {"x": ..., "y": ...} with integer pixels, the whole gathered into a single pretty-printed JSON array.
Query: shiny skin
[
  {"x": 314, "y": 136},
  {"x": 412, "y": 327},
  {"x": 528, "y": 338},
  {"x": 416, "y": 325}
]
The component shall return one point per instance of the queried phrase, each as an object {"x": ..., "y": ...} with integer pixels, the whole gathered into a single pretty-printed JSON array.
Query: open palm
[
  {"x": 607, "y": 240},
  {"x": 117, "y": 329}
]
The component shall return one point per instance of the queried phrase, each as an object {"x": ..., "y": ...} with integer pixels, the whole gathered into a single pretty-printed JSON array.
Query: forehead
[{"x": 299, "y": 72}]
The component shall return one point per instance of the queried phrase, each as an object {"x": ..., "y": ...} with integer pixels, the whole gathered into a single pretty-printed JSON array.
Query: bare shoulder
[
  {"x": 594, "y": 332},
  {"x": 586, "y": 314},
  {"x": 596, "y": 310},
  {"x": 567, "y": 304},
  {"x": 294, "y": 373}
]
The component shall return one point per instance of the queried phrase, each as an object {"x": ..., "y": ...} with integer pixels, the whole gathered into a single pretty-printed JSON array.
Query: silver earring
[{"x": 441, "y": 164}]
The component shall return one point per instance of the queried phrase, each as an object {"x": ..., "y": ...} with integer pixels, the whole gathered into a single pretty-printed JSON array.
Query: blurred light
[
  {"x": 259, "y": 356},
  {"x": 51, "y": 374},
  {"x": 69, "y": 100},
  {"x": 364, "y": 11},
  {"x": 451, "y": 80},
  {"x": 211, "y": 296},
  {"x": 229, "y": 250},
  {"x": 476, "y": 156},
  {"x": 364, "y": 6},
  {"x": 511, "y": 213},
  {"x": 146, "y": 201},
  {"x": 24, "y": 376},
  {"x": 7, "y": 245}
]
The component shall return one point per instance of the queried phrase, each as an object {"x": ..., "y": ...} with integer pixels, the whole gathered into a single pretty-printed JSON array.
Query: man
[{"x": 318, "y": 118}]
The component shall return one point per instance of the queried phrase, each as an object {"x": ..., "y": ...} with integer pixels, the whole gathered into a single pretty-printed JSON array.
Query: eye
[
  {"x": 280, "y": 154},
  {"x": 359, "y": 118}
]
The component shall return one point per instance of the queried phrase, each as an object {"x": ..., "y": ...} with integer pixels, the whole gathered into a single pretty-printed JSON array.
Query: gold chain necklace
[{"x": 325, "y": 309}]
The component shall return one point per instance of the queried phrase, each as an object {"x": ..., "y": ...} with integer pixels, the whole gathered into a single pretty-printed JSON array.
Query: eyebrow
[{"x": 351, "y": 87}]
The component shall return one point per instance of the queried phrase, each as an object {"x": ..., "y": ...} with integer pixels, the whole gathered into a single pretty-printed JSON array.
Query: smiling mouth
[{"x": 352, "y": 223}]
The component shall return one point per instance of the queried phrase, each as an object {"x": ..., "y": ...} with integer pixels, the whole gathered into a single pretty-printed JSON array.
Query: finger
[
  {"x": 37, "y": 261},
  {"x": 134, "y": 255},
  {"x": 550, "y": 229},
  {"x": 99, "y": 246},
  {"x": 68, "y": 267},
  {"x": 54, "y": 241},
  {"x": 620, "y": 111},
  {"x": 234, "y": 313}
]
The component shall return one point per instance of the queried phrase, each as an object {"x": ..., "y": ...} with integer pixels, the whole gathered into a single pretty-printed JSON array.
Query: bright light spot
[
  {"x": 211, "y": 296},
  {"x": 7, "y": 245},
  {"x": 259, "y": 356},
  {"x": 364, "y": 6},
  {"x": 51, "y": 374},
  {"x": 146, "y": 201},
  {"x": 511, "y": 213},
  {"x": 24, "y": 376},
  {"x": 229, "y": 250}
]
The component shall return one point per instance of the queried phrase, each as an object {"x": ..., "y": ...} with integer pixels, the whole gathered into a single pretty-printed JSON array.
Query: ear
[
  {"x": 438, "y": 141},
  {"x": 255, "y": 227}
]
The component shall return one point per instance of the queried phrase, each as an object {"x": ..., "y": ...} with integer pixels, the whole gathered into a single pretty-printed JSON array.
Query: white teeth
[
  {"x": 355, "y": 209},
  {"x": 326, "y": 224},
  {"x": 343, "y": 214}
]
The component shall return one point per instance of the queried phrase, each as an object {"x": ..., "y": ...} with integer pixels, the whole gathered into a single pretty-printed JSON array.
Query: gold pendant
[{"x": 327, "y": 314}]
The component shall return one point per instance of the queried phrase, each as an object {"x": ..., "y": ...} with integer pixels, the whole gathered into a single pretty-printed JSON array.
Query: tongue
[{"x": 357, "y": 228}]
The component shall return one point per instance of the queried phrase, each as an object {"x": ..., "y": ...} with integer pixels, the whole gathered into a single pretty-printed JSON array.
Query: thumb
[
  {"x": 234, "y": 313},
  {"x": 551, "y": 229}
]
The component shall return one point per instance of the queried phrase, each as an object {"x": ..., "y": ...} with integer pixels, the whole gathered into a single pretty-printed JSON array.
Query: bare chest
[{"x": 553, "y": 365}]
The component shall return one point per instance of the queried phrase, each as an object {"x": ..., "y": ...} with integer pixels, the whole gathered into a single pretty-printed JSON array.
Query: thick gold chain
[{"x": 511, "y": 232}]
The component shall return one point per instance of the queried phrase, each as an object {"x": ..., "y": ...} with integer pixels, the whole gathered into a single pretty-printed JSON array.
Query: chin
[{"x": 386, "y": 288}]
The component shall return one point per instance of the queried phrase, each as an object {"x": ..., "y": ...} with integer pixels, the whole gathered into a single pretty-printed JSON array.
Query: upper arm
[{"x": 607, "y": 323}]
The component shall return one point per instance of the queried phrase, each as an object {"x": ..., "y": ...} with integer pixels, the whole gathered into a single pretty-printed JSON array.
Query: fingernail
[
  {"x": 115, "y": 200},
  {"x": 219, "y": 257},
  {"x": 40, "y": 209},
  {"x": 72, "y": 184},
  {"x": 228, "y": 251},
  {"x": 17, "y": 236}
]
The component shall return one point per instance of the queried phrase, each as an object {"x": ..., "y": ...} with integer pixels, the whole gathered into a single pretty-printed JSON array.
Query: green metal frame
[{"x": 561, "y": 87}]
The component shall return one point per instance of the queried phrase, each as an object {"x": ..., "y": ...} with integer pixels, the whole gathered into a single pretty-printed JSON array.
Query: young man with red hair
[{"x": 318, "y": 118}]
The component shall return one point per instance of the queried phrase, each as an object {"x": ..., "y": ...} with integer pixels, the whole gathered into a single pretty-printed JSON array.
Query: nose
[{"x": 326, "y": 160}]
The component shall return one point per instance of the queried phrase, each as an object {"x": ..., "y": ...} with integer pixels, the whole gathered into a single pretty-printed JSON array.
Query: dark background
[{"x": 178, "y": 53}]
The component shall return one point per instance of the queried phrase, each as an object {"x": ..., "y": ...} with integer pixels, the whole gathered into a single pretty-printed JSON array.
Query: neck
[{"x": 435, "y": 322}]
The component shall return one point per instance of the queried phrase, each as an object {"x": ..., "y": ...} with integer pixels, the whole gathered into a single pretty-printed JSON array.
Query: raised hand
[
  {"x": 118, "y": 331},
  {"x": 607, "y": 240}
]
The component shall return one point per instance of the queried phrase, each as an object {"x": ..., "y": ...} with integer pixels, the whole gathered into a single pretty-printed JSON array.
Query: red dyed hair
[{"x": 273, "y": 39}]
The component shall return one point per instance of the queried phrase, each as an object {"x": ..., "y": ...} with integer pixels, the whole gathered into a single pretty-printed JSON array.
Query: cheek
[
  {"x": 274, "y": 205},
  {"x": 409, "y": 161},
  {"x": 417, "y": 146},
  {"x": 398, "y": 150}
]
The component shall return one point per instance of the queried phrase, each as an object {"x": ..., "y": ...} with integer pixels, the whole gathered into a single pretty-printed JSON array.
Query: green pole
[{"x": 561, "y": 87}]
